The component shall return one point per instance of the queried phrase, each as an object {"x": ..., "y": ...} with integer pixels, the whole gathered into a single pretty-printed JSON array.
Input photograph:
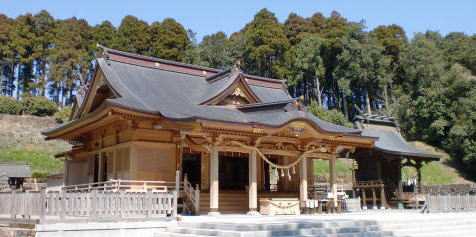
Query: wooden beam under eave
[{"x": 91, "y": 127}]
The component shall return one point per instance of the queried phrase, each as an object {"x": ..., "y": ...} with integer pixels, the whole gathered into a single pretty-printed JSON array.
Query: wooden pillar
[
  {"x": 214, "y": 195},
  {"x": 100, "y": 167},
  {"x": 418, "y": 168},
  {"x": 364, "y": 198},
  {"x": 114, "y": 162},
  {"x": 303, "y": 184},
  {"x": 253, "y": 187},
  {"x": 66, "y": 171},
  {"x": 383, "y": 199},
  {"x": 374, "y": 199},
  {"x": 332, "y": 179}
]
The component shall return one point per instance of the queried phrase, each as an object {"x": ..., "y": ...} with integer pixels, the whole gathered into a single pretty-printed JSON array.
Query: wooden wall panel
[
  {"x": 154, "y": 162},
  {"x": 77, "y": 172},
  {"x": 123, "y": 163}
]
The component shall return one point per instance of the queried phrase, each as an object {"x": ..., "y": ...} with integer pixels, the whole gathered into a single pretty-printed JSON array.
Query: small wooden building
[
  {"x": 379, "y": 172},
  {"x": 236, "y": 136},
  {"x": 12, "y": 176}
]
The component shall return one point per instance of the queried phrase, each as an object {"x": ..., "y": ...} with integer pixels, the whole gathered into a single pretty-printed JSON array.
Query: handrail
[
  {"x": 116, "y": 185},
  {"x": 192, "y": 194}
]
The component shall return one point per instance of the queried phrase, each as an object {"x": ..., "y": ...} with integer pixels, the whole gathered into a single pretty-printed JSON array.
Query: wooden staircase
[
  {"x": 236, "y": 202},
  {"x": 230, "y": 202}
]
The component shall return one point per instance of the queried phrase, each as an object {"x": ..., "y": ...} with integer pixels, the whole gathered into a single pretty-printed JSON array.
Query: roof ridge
[
  {"x": 155, "y": 59},
  {"x": 263, "y": 78},
  {"x": 217, "y": 76},
  {"x": 265, "y": 104}
]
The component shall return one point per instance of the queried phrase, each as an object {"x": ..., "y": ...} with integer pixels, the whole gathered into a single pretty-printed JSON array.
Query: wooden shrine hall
[
  {"x": 234, "y": 138},
  {"x": 378, "y": 178}
]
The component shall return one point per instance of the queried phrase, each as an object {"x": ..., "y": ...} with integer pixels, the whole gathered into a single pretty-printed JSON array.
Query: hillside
[{"x": 21, "y": 141}]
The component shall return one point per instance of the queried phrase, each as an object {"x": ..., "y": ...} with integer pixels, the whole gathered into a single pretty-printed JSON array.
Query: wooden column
[
  {"x": 114, "y": 162},
  {"x": 100, "y": 167},
  {"x": 332, "y": 179},
  {"x": 253, "y": 187},
  {"x": 303, "y": 184},
  {"x": 418, "y": 166},
  {"x": 66, "y": 171},
  {"x": 374, "y": 199},
  {"x": 214, "y": 181}
]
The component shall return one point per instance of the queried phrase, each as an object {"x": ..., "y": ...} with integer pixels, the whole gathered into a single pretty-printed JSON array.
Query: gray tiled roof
[
  {"x": 392, "y": 142},
  {"x": 178, "y": 96},
  {"x": 15, "y": 170}
]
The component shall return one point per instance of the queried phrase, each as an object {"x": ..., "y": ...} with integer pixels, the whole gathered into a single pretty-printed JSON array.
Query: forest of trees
[{"x": 427, "y": 81}]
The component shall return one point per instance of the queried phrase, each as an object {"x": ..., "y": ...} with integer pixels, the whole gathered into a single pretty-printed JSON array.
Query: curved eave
[
  {"x": 109, "y": 106},
  {"x": 424, "y": 156}
]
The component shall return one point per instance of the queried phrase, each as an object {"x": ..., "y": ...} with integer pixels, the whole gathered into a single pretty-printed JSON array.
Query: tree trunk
[
  {"x": 385, "y": 94},
  {"x": 367, "y": 101},
  {"x": 344, "y": 103},
  {"x": 318, "y": 90}
]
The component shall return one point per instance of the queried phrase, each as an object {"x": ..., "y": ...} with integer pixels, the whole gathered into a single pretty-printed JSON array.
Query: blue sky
[{"x": 205, "y": 17}]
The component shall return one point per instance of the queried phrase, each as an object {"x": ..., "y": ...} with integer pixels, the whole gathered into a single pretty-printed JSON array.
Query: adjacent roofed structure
[
  {"x": 383, "y": 163},
  {"x": 14, "y": 174}
]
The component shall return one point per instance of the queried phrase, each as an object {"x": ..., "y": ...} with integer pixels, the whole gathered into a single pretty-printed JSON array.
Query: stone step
[
  {"x": 369, "y": 231},
  {"x": 435, "y": 230},
  {"x": 272, "y": 226},
  {"x": 429, "y": 225}
]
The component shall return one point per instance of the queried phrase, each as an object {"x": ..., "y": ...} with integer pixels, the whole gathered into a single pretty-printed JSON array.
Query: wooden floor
[{"x": 236, "y": 202}]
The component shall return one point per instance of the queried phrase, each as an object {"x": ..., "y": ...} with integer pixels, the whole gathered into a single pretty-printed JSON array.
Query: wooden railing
[
  {"x": 450, "y": 203},
  {"x": 116, "y": 185},
  {"x": 191, "y": 196},
  {"x": 89, "y": 205}
]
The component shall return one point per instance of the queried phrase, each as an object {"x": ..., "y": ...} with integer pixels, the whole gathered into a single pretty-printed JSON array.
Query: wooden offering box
[{"x": 279, "y": 206}]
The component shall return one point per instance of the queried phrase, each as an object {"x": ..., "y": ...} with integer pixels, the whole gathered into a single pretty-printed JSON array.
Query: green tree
[
  {"x": 169, "y": 40},
  {"x": 307, "y": 68},
  {"x": 70, "y": 59},
  {"x": 6, "y": 56},
  {"x": 332, "y": 116},
  {"x": 460, "y": 48},
  {"x": 361, "y": 69},
  {"x": 296, "y": 28},
  {"x": 215, "y": 51},
  {"x": 392, "y": 38},
  {"x": 22, "y": 45},
  {"x": 104, "y": 34},
  {"x": 133, "y": 36},
  {"x": 264, "y": 45},
  {"x": 44, "y": 25}
]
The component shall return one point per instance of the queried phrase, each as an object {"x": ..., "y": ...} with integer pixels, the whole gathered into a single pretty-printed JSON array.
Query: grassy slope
[
  {"x": 21, "y": 142},
  {"x": 42, "y": 162}
]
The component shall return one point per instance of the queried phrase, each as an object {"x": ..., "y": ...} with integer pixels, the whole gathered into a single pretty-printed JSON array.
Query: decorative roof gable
[{"x": 229, "y": 88}]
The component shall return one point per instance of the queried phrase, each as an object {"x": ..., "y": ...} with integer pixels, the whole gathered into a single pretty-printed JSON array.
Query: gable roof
[
  {"x": 390, "y": 141},
  {"x": 223, "y": 84},
  {"x": 393, "y": 143},
  {"x": 15, "y": 170},
  {"x": 177, "y": 91}
]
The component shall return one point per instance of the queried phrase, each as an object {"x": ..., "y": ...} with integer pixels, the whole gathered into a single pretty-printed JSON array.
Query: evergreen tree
[
  {"x": 264, "y": 45},
  {"x": 133, "y": 36},
  {"x": 169, "y": 40},
  {"x": 215, "y": 51}
]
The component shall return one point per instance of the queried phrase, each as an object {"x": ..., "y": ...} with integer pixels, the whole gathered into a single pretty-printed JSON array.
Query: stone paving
[{"x": 372, "y": 223}]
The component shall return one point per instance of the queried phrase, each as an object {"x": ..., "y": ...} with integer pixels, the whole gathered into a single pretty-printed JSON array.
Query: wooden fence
[
  {"x": 450, "y": 203},
  {"x": 88, "y": 205}
]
